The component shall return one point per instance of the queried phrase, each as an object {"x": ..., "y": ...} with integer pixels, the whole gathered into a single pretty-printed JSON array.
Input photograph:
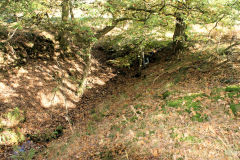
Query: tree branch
[{"x": 107, "y": 29}]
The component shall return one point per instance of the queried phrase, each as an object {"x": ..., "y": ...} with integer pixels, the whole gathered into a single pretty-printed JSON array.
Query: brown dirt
[
  {"x": 104, "y": 142},
  {"x": 44, "y": 88}
]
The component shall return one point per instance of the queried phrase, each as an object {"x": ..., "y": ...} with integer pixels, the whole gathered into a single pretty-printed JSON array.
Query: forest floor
[
  {"x": 184, "y": 108},
  {"x": 180, "y": 109},
  {"x": 175, "y": 111}
]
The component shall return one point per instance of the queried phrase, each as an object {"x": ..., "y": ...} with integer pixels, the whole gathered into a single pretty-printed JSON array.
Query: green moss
[
  {"x": 166, "y": 94},
  {"x": 47, "y": 136},
  {"x": 175, "y": 103},
  {"x": 233, "y": 88},
  {"x": 235, "y": 108},
  {"x": 199, "y": 117},
  {"x": 195, "y": 105},
  {"x": 26, "y": 155},
  {"x": 133, "y": 119},
  {"x": 192, "y": 139},
  {"x": 12, "y": 118}
]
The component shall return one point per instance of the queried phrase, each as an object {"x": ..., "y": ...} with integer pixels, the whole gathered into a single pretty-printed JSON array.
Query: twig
[
  {"x": 156, "y": 78},
  {"x": 216, "y": 25},
  {"x": 9, "y": 37}
]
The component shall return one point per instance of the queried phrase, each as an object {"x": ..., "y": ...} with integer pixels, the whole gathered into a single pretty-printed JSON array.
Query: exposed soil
[
  {"x": 123, "y": 131},
  {"x": 44, "y": 89}
]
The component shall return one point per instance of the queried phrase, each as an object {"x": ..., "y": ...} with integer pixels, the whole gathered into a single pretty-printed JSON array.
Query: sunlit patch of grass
[
  {"x": 233, "y": 91},
  {"x": 133, "y": 119},
  {"x": 12, "y": 118},
  {"x": 142, "y": 125},
  {"x": 11, "y": 136},
  {"x": 175, "y": 103},
  {"x": 190, "y": 105},
  {"x": 191, "y": 139},
  {"x": 195, "y": 95}
]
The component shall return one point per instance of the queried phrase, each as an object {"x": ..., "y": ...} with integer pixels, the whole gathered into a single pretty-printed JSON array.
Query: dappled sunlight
[
  {"x": 54, "y": 99},
  {"x": 97, "y": 81},
  {"x": 45, "y": 89},
  {"x": 169, "y": 34},
  {"x": 6, "y": 92}
]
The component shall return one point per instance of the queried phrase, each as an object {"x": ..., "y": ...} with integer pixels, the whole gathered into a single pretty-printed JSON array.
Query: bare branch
[{"x": 216, "y": 24}]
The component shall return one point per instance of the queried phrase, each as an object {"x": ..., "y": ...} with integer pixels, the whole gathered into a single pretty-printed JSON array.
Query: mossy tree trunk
[
  {"x": 179, "y": 37},
  {"x": 63, "y": 39},
  {"x": 86, "y": 71},
  {"x": 88, "y": 54}
]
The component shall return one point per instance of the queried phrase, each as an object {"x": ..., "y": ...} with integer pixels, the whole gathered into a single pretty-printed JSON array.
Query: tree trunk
[
  {"x": 88, "y": 54},
  {"x": 63, "y": 33},
  {"x": 65, "y": 11},
  {"x": 86, "y": 71},
  {"x": 71, "y": 10},
  {"x": 179, "y": 37}
]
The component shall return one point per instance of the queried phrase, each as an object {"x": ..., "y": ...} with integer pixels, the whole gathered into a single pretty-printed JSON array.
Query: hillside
[{"x": 180, "y": 109}]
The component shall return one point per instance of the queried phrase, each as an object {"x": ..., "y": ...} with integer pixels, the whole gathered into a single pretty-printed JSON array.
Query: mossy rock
[
  {"x": 11, "y": 136},
  {"x": 47, "y": 136},
  {"x": 12, "y": 118}
]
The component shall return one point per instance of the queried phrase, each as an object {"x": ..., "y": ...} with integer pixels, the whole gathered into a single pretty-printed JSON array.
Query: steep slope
[{"x": 187, "y": 109}]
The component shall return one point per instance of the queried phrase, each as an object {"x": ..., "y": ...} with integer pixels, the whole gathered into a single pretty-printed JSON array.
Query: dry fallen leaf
[
  {"x": 235, "y": 101},
  {"x": 208, "y": 91},
  {"x": 222, "y": 94},
  {"x": 155, "y": 152}
]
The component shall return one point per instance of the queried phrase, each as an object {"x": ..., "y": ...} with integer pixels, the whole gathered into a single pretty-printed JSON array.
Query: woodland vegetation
[{"x": 63, "y": 46}]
